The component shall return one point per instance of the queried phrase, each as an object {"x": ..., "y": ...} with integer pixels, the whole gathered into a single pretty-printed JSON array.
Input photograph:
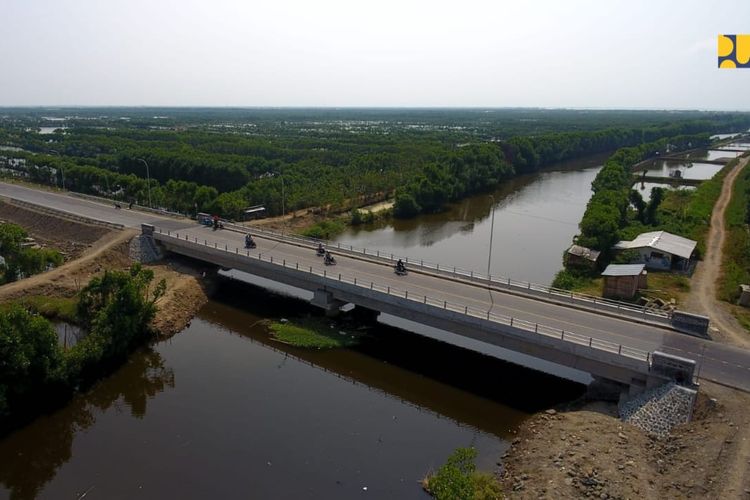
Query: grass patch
[
  {"x": 325, "y": 230},
  {"x": 573, "y": 279},
  {"x": 61, "y": 308},
  {"x": 311, "y": 334},
  {"x": 667, "y": 286},
  {"x": 743, "y": 316},
  {"x": 736, "y": 255}
]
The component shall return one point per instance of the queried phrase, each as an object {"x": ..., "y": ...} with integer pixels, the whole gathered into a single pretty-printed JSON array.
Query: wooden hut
[{"x": 623, "y": 280}]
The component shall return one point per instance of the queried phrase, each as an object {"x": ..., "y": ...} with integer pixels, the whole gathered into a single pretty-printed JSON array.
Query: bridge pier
[{"x": 324, "y": 299}]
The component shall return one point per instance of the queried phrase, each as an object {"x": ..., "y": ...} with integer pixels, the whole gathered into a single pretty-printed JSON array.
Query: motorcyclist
[
  {"x": 329, "y": 258},
  {"x": 400, "y": 267},
  {"x": 321, "y": 250},
  {"x": 249, "y": 240}
]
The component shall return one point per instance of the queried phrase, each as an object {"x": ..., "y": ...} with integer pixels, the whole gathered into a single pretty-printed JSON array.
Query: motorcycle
[
  {"x": 400, "y": 270},
  {"x": 250, "y": 243},
  {"x": 330, "y": 260},
  {"x": 320, "y": 252}
]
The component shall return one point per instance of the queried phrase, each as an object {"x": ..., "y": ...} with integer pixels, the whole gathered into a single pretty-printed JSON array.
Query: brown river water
[{"x": 223, "y": 411}]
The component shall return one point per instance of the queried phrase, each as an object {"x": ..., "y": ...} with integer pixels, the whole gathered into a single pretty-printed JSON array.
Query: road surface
[{"x": 717, "y": 362}]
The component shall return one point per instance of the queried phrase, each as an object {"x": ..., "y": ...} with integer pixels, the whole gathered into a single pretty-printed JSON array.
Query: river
[
  {"x": 223, "y": 411},
  {"x": 536, "y": 217}
]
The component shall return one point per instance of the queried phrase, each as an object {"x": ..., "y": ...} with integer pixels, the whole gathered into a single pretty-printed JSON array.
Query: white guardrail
[
  {"x": 528, "y": 326},
  {"x": 523, "y": 287}
]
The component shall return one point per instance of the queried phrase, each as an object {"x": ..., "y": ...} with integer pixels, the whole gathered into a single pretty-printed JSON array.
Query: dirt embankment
[
  {"x": 97, "y": 250},
  {"x": 71, "y": 238},
  {"x": 590, "y": 453}
]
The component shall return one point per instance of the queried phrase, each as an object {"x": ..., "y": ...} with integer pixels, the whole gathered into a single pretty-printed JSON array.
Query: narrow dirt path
[{"x": 702, "y": 297}]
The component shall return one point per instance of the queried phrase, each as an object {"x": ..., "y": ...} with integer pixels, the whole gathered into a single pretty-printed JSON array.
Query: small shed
[
  {"x": 624, "y": 280},
  {"x": 578, "y": 256},
  {"x": 661, "y": 250},
  {"x": 744, "y": 295}
]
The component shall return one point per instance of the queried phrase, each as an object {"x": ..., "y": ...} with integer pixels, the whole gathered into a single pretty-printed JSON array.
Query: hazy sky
[{"x": 623, "y": 54}]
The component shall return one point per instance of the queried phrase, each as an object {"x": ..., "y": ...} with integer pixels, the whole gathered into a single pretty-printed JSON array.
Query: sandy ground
[
  {"x": 589, "y": 453},
  {"x": 187, "y": 288},
  {"x": 702, "y": 296}
]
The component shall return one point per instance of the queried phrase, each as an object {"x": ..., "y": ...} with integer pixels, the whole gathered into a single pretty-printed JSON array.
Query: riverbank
[
  {"x": 584, "y": 450},
  {"x": 97, "y": 250}
]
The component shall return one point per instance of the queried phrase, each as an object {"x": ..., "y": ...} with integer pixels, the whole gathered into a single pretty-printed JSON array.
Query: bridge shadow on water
[{"x": 448, "y": 368}]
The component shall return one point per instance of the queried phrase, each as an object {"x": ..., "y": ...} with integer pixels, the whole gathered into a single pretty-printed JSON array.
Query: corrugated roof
[
  {"x": 662, "y": 241},
  {"x": 624, "y": 270},
  {"x": 584, "y": 252}
]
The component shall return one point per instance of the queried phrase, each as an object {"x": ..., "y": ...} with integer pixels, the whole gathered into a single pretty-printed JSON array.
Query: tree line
[{"x": 295, "y": 165}]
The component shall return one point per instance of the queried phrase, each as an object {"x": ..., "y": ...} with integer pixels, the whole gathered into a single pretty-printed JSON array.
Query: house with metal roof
[
  {"x": 623, "y": 280},
  {"x": 661, "y": 250},
  {"x": 579, "y": 256}
]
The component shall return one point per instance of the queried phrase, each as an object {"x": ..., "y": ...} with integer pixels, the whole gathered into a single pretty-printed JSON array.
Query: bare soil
[
  {"x": 589, "y": 452},
  {"x": 702, "y": 297},
  {"x": 71, "y": 238}
]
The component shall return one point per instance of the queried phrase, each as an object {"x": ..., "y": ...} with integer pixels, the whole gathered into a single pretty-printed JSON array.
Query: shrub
[{"x": 458, "y": 479}]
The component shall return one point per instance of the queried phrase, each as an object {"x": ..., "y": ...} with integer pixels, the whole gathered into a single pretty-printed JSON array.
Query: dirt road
[{"x": 702, "y": 297}]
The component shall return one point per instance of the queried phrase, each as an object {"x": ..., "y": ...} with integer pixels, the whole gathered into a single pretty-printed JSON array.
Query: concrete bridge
[
  {"x": 438, "y": 300},
  {"x": 612, "y": 340}
]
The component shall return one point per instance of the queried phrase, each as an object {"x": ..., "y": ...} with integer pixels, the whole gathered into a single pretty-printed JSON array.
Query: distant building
[
  {"x": 661, "y": 250},
  {"x": 579, "y": 256},
  {"x": 623, "y": 280}
]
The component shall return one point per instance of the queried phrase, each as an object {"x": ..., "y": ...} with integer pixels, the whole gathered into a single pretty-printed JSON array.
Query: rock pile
[
  {"x": 660, "y": 409},
  {"x": 143, "y": 249}
]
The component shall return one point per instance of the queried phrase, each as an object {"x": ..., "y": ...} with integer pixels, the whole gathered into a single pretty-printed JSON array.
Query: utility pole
[
  {"x": 489, "y": 254},
  {"x": 148, "y": 178}
]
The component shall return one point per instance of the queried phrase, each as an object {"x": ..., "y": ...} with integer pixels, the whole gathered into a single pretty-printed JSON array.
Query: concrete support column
[{"x": 324, "y": 299}]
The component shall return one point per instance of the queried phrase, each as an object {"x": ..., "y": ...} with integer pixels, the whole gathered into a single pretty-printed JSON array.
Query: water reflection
[
  {"x": 688, "y": 170},
  {"x": 536, "y": 217},
  {"x": 31, "y": 456}
]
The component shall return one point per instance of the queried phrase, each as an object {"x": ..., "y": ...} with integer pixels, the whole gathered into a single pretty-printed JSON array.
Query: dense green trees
[
  {"x": 30, "y": 359},
  {"x": 114, "y": 310},
  {"x": 226, "y": 160},
  {"x": 607, "y": 210}
]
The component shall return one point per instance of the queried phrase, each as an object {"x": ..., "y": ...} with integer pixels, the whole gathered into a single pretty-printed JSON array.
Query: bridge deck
[{"x": 720, "y": 363}]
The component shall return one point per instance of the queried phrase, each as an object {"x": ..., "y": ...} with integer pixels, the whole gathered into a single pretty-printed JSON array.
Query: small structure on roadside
[
  {"x": 624, "y": 280},
  {"x": 582, "y": 257},
  {"x": 661, "y": 250},
  {"x": 744, "y": 295}
]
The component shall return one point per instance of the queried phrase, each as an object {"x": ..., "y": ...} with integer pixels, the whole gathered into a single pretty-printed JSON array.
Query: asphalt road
[{"x": 719, "y": 363}]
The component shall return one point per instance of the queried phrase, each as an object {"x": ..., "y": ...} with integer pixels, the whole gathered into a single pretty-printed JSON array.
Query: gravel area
[{"x": 657, "y": 411}]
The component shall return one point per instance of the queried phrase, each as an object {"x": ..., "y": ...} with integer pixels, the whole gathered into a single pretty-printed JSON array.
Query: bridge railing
[
  {"x": 525, "y": 287},
  {"x": 469, "y": 311}
]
